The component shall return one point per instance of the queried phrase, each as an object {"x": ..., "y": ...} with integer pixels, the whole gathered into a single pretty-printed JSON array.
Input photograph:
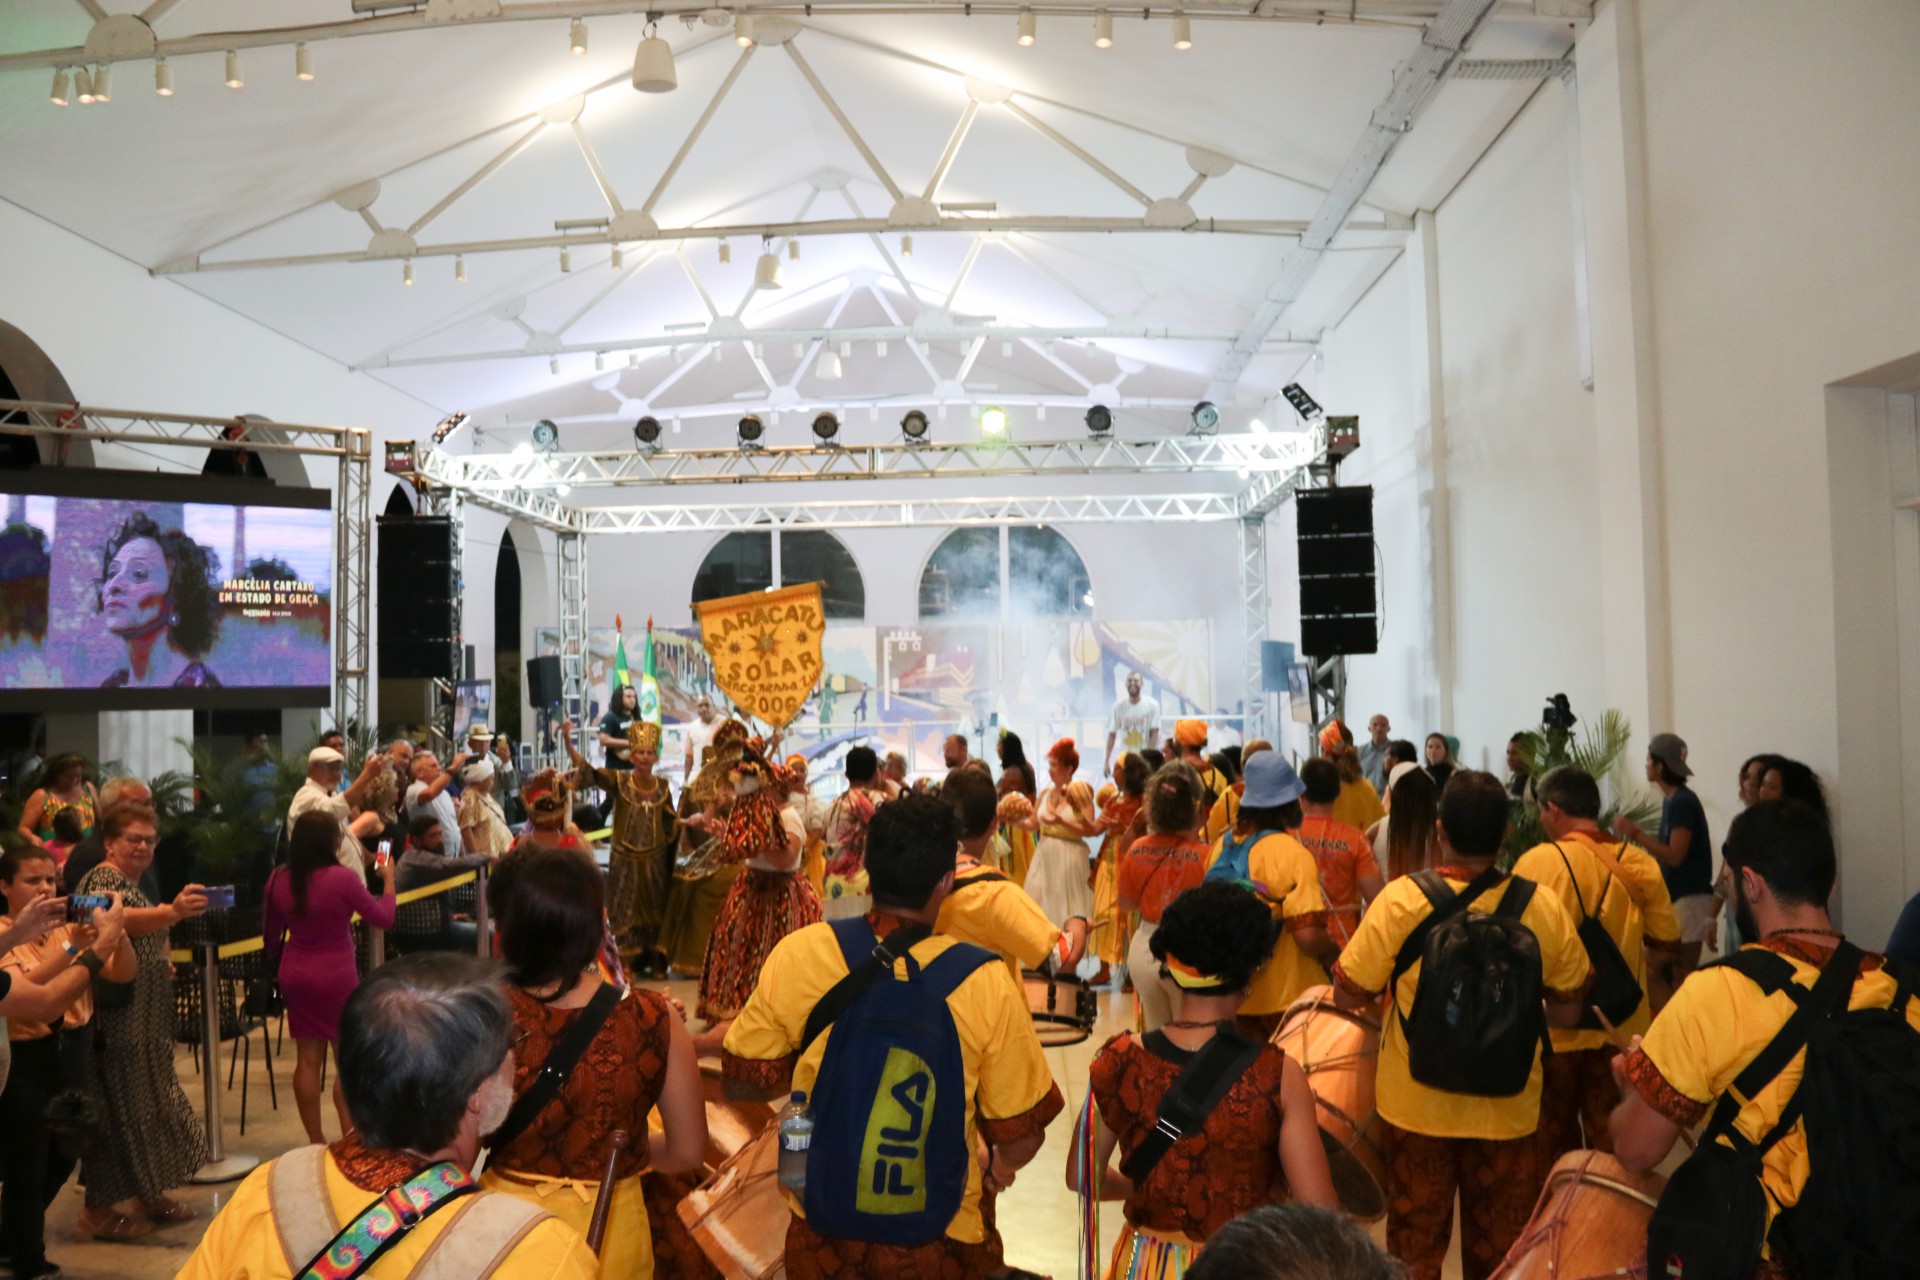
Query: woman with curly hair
[
  {"x": 1157, "y": 868},
  {"x": 1060, "y": 879},
  {"x": 64, "y": 788},
  {"x": 159, "y": 586},
  {"x": 1015, "y": 773},
  {"x": 1260, "y": 1144},
  {"x": 1120, "y": 803}
]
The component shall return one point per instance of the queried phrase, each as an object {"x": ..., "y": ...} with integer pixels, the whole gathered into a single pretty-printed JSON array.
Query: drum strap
[{"x": 1203, "y": 1083}]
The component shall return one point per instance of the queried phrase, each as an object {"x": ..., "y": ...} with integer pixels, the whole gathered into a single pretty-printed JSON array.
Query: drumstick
[
  {"x": 1621, "y": 1043},
  {"x": 603, "y": 1201}
]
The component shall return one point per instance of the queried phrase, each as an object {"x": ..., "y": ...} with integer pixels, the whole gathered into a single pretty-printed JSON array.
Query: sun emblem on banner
[{"x": 765, "y": 648}]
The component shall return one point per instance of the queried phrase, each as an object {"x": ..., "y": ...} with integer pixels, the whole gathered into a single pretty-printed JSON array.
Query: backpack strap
[
  {"x": 989, "y": 876},
  {"x": 942, "y": 975},
  {"x": 1830, "y": 995},
  {"x": 1575, "y": 882},
  {"x": 478, "y": 1238},
  {"x": 301, "y": 1209},
  {"x": 868, "y": 960},
  {"x": 1446, "y": 905},
  {"x": 1514, "y": 902},
  {"x": 558, "y": 1067},
  {"x": 1203, "y": 1083}
]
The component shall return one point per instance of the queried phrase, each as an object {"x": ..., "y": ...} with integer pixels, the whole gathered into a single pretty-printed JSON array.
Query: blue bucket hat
[{"x": 1271, "y": 781}]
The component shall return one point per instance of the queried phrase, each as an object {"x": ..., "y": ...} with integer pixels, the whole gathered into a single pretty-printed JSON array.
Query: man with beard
[{"x": 426, "y": 1064}]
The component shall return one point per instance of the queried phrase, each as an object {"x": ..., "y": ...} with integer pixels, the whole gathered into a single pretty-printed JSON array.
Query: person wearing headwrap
[
  {"x": 812, "y": 812},
  {"x": 1190, "y": 744},
  {"x": 1359, "y": 804},
  {"x": 645, "y": 831},
  {"x": 702, "y": 873},
  {"x": 1061, "y": 879}
]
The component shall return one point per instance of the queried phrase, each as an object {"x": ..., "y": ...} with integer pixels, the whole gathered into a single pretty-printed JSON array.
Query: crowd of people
[{"x": 863, "y": 957}]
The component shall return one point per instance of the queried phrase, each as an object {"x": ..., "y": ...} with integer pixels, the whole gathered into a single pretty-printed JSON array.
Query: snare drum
[
  {"x": 738, "y": 1217},
  {"x": 731, "y": 1124},
  {"x": 1063, "y": 1008},
  {"x": 1340, "y": 1050},
  {"x": 1590, "y": 1223}
]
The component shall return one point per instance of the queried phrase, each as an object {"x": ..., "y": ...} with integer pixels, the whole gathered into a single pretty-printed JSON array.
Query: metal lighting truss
[
  {"x": 353, "y": 546},
  {"x": 1256, "y": 613},
  {"x": 573, "y": 632}
]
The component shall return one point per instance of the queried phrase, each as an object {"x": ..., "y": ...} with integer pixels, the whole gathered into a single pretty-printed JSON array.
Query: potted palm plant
[{"x": 1599, "y": 749}]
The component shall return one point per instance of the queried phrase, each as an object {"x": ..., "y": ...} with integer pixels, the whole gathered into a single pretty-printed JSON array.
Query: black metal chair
[
  {"x": 187, "y": 1004},
  {"x": 424, "y": 925}
]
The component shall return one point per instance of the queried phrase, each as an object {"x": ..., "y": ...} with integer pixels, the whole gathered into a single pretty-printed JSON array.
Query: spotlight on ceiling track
[
  {"x": 825, "y": 427},
  {"x": 1099, "y": 420},
  {"x": 827, "y": 366},
  {"x": 546, "y": 435},
  {"x": 103, "y": 83},
  {"x": 162, "y": 78},
  {"x": 302, "y": 62},
  {"x": 59, "y": 95},
  {"x": 83, "y": 86},
  {"x": 616, "y": 259},
  {"x": 234, "y": 79},
  {"x": 1182, "y": 32},
  {"x": 726, "y": 253},
  {"x": 766, "y": 272},
  {"x": 566, "y": 260},
  {"x": 993, "y": 421},
  {"x": 1102, "y": 30},
  {"x": 1206, "y": 417},
  {"x": 646, "y": 432},
  {"x": 577, "y": 37},
  {"x": 1026, "y": 26},
  {"x": 448, "y": 425},
  {"x": 914, "y": 425},
  {"x": 653, "y": 64},
  {"x": 751, "y": 429},
  {"x": 1303, "y": 404},
  {"x": 906, "y": 246},
  {"x": 406, "y": 274},
  {"x": 459, "y": 269},
  {"x": 743, "y": 29}
]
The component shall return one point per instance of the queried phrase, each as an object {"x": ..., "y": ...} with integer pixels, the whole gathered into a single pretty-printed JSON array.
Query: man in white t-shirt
[
  {"x": 700, "y": 732},
  {"x": 1134, "y": 724},
  {"x": 321, "y": 791},
  {"x": 428, "y": 794}
]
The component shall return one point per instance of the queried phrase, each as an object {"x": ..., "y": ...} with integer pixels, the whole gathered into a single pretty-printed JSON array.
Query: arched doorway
[
  {"x": 506, "y": 639},
  {"x": 753, "y": 560},
  {"x": 1024, "y": 572}
]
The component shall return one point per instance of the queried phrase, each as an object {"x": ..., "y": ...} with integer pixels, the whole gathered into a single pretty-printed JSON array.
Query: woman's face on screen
[{"x": 135, "y": 596}]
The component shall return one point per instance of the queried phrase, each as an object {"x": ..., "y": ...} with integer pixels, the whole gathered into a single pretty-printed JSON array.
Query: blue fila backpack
[{"x": 889, "y": 1159}]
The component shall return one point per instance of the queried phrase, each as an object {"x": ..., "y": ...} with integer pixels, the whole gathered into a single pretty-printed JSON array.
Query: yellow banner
[{"x": 765, "y": 648}]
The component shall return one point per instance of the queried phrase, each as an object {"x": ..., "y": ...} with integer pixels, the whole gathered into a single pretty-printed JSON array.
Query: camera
[{"x": 1558, "y": 714}]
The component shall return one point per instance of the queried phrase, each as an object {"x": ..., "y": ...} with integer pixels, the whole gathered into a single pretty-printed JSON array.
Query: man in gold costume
[{"x": 646, "y": 832}]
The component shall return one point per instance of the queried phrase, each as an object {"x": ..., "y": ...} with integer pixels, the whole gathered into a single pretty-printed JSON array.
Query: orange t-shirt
[
  {"x": 1158, "y": 869},
  {"x": 1345, "y": 857}
]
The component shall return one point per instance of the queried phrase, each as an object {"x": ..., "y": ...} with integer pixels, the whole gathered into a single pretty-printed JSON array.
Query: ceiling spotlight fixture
[
  {"x": 1006, "y": 350},
  {"x": 234, "y": 79},
  {"x": 799, "y": 351},
  {"x": 566, "y": 260},
  {"x": 743, "y": 29},
  {"x": 1303, "y": 404},
  {"x": 846, "y": 350},
  {"x": 633, "y": 359},
  {"x": 793, "y": 249},
  {"x": 599, "y": 362},
  {"x": 906, "y": 246},
  {"x": 162, "y": 78},
  {"x": 751, "y": 429},
  {"x": 302, "y": 62},
  {"x": 826, "y": 427},
  {"x": 1102, "y": 30},
  {"x": 546, "y": 435},
  {"x": 880, "y": 348},
  {"x": 59, "y": 95},
  {"x": 553, "y": 366},
  {"x": 83, "y": 86},
  {"x": 1026, "y": 26},
  {"x": 459, "y": 269},
  {"x": 406, "y": 274},
  {"x": 1205, "y": 418},
  {"x": 1099, "y": 420},
  {"x": 1258, "y": 427},
  {"x": 828, "y": 366},
  {"x": 766, "y": 272},
  {"x": 103, "y": 83},
  {"x": 726, "y": 253},
  {"x": 562, "y": 489},
  {"x": 577, "y": 37},
  {"x": 1182, "y": 32},
  {"x": 993, "y": 421},
  {"x": 653, "y": 64},
  {"x": 914, "y": 425},
  {"x": 616, "y": 258},
  {"x": 646, "y": 432},
  {"x": 448, "y": 425}
]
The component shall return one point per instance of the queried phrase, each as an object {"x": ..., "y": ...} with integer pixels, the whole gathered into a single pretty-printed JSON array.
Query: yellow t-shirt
[
  {"x": 1359, "y": 804},
  {"x": 1000, "y": 916},
  {"x": 1716, "y": 1024},
  {"x": 1007, "y": 1075},
  {"x": 1225, "y": 812},
  {"x": 1367, "y": 964},
  {"x": 242, "y": 1242},
  {"x": 1291, "y": 881},
  {"x": 1632, "y": 911}
]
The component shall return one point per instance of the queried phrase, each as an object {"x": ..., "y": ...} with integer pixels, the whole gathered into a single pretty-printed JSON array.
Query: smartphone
[
  {"x": 382, "y": 855},
  {"x": 219, "y": 895},
  {"x": 81, "y": 906}
]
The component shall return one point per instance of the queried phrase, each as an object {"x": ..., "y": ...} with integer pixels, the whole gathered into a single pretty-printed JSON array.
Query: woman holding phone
[{"x": 312, "y": 901}]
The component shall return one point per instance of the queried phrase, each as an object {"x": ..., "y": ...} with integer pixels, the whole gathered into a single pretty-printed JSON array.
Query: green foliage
[
  {"x": 1599, "y": 749},
  {"x": 238, "y": 808}
]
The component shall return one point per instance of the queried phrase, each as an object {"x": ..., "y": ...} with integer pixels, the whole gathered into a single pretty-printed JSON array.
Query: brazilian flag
[{"x": 649, "y": 687}]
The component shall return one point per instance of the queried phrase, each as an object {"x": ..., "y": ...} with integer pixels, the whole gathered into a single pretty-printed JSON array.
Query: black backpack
[
  {"x": 1858, "y": 1216},
  {"x": 1616, "y": 990},
  {"x": 1477, "y": 1013}
]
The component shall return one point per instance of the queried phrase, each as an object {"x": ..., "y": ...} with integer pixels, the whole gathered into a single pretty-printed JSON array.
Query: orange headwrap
[
  {"x": 1190, "y": 733},
  {"x": 1334, "y": 736}
]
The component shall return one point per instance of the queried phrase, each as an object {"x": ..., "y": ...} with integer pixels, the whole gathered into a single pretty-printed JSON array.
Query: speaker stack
[
  {"x": 1338, "y": 614},
  {"x": 417, "y": 582}
]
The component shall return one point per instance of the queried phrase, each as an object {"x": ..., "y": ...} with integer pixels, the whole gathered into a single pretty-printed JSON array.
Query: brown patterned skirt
[{"x": 761, "y": 908}]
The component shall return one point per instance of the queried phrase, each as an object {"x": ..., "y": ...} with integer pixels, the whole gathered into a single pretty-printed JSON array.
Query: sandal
[
  {"x": 111, "y": 1227},
  {"x": 168, "y": 1211}
]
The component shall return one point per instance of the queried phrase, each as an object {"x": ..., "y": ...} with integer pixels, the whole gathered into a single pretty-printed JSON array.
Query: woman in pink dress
[{"x": 312, "y": 901}]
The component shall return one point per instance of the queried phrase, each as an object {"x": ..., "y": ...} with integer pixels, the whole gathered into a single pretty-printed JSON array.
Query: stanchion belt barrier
[{"x": 245, "y": 945}]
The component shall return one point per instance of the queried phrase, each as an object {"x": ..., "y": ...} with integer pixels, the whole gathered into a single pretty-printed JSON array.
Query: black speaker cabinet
[
  {"x": 543, "y": 681},
  {"x": 417, "y": 581},
  {"x": 1337, "y": 594}
]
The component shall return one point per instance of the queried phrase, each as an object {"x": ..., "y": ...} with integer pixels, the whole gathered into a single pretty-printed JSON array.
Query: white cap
[
  {"x": 324, "y": 755},
  {"x": 479, "y": 771}
]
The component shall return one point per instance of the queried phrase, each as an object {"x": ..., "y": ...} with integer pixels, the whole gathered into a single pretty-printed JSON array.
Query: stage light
[
  {"x": 633, "y": 359},
  {"x": 162, "y": 78},
  {"x": 793, "y": 249},
  {"x": 653, "y": 64},
  {"x": 826, "y": 427},
  {"x": 1303, "y": 404},
  {"x": 406, "y": 274},
  {"x": 234, "y": 79},
  {"x": 914, "y": 425},
  {"x": 828, "y": 366},
  {"x": 577, "y": 37},
  {"x": 599, "y": 362},
  {"x": 846, "y": 350},
  {"x": 880, "y": 348},
  {"x": 448, "y": 425},
  {"x": 1026, "y": 26},
  {"x": 1103, "y": 30},
  {"x": 766, "y": 272},
  {"x": 566, "y": 260},
  {"x": 1099, "y": 420},
  {"x": 646, "y": 432},
  {"x": 743, "y": 29},
  {"x": 546, "y": 435},
  {"x": 302, "y": 62},
  {"x": 906, "y": 246},
  {"x": 562, "y": 489},
  {"x": 1182, "y": 32},
  {"x": 83, "y": 86},
  {"x": 103, "y": 83},
  {"x": 459, "y": 269},
  {"x": 993, "y": 421},
  {"x": 59, "y": 95},
  {"x": 1258, "y": 427},
  {"x": 751, "y": 429},
  {"x": 726, "y": 253},
  {"x": 1205, "y": 418},
  {"x": 799, "y": 351},
  {"x": 553, "y": 366}
]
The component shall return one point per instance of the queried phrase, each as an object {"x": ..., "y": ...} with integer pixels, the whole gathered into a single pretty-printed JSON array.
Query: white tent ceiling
[{"x": 1061, "y": 130}]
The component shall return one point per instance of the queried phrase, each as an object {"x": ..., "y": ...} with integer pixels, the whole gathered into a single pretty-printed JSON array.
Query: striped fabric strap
[
  {"x": 1090, "y": 1176},
  {"x": 387, "y": 1220}
]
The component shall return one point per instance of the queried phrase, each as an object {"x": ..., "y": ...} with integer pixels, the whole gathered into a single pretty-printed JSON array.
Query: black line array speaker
[
  {"x": 543, "y": 681},
  {"x": 419, "y": 597},
  {"x": 1338, "y": 612}
]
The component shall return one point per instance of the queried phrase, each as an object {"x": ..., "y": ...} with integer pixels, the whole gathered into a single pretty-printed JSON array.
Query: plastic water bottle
[{"x": 796, "y": 1135}]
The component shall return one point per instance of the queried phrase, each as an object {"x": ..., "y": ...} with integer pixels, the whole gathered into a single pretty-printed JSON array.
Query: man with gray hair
[
  {"x": 426, "y": 1067},
  {"x": 92, "y": 851}
]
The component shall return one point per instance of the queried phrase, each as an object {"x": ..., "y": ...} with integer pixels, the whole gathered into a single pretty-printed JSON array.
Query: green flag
[
  {"x": 649, "y": 687},
  {"x": 620, "y": 674}
]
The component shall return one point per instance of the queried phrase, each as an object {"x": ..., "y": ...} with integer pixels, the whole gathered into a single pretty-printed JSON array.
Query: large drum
[
  {"x": 738, "y": 1217},
  {"x": 1339, "y": 1050},
  {"x": 731, "y": 1125},
  {"x": 1590, "y": 1223},
  {"x": 1063, "y": 1008}
]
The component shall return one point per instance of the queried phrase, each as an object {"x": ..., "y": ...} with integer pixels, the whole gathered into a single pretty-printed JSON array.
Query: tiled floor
[{"x": 1038, "y": 1217}]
